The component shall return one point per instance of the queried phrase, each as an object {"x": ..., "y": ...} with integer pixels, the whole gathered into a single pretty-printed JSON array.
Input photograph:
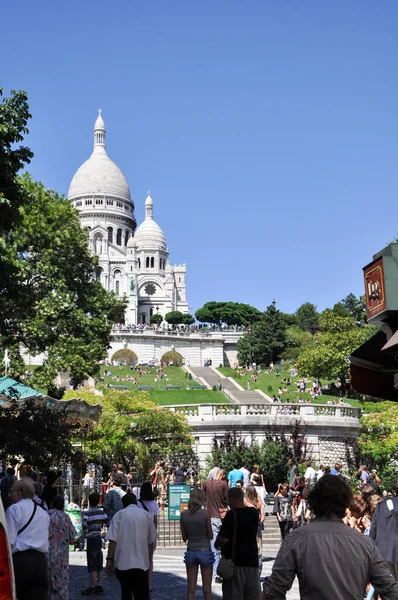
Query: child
[{"x": 93, "y": 520}]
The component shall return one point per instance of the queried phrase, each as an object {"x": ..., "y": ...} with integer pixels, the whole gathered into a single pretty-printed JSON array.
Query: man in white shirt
[
  {"x": 213, "y": 472},
  {"x": 246, "y": 474},
  {"x": 320, "y": 473},
  {"x": 132, "y": 537},
  {"x": 27, "y": 526},
  {"x": 310, "y": 474}
]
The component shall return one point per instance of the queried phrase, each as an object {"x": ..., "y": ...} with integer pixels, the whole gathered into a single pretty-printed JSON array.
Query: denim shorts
[{"x": 194, "y": 558}]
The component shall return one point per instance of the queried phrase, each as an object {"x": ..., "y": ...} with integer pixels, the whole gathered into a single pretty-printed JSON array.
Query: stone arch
[
  {"x": 125, "y": 356},
  {"x": 173, "y": 356}
]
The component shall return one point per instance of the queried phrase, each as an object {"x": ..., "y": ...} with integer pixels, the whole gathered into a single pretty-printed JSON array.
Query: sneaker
[
  {"x": 99, "y": 589},
  {"x": 90, "y": 591},
  {"x": 218, "y": 579}
]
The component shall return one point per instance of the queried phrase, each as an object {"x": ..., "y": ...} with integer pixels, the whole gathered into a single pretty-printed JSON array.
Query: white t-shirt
[
  {"x": 246, "y": 476},
  {"x": 310, "y": 476},
  {"x": 132, "y": 529}
]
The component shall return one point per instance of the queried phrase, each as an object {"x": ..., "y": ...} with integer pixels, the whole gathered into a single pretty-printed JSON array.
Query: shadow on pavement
[{"x": 165, "y": 586}]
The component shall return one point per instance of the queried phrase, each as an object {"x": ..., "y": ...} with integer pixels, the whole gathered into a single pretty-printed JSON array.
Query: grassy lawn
[
  {"x": 270, "y": 384},
  {"x": 173, "y": 376},
  {"x": 170, "y": 397}
]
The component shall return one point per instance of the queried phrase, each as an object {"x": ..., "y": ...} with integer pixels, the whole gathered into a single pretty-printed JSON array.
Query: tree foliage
[
  {"x": 356, "y": 307},
  {"x": 36, "y": 432},
  {"x": 172, "y": 357},
  {"x": 132, "y": 429},
  {"x": 174, "y": 317},
  {"x": 307, "y": 317},
  {"x": 296, "y": 341},
  {"x": 265, "y": 341},
  {"x": 338, "y": 337},
  {"x": 156, "y": 319},
  {"x": 52, "y": 301},
  {"x": 231, "y": 313}
]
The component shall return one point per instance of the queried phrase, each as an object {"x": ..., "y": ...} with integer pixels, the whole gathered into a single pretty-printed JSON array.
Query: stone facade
[{"x": 132, "y": 263}]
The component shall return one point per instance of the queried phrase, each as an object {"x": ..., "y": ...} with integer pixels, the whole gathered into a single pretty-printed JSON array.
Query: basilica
[{"x": 132, "y": 261}]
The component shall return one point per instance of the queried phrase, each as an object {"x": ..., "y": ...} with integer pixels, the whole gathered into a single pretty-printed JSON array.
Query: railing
[{"x": 212, "y": 411}]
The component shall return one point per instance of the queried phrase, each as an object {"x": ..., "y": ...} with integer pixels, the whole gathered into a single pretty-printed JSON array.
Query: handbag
[{"x": 226, "y": 566}]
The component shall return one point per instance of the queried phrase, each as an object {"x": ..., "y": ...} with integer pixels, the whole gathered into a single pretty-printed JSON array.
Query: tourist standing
[
  {"x": 61, "y": 534},
  {"x": 196, "y": 530},
  {"x": 180, "y": 474},
  {"x": 330, "y": 559},
  {"x": 283, "y": 511},
  {"x": 49, "y": 491},
  {"x": 293, "y": 473},
  {"x": 161, "y": 486},
  {"x": 252, "y": 498},
  {"x": 364, "y": 477},
  {"x": 28, "y": 526},
  {"x": 6, "y": 486},
  {"x": 216, "y": 491},
  {"x": 321, "y": 472},
  {"x": 234, "y": 476},
  {"x": 88, "y": 487},
  {"x": 147, "y": 502},
  {"x": 93, "y": 520},
  {"x": 112, "y": 502},
  {"x": 132, "y": 536},
  {"x": 257, "y": 480},
  {"x": 242, "y": 521},
  {"x": 246, "y": 473},
  {"x": 384, "y": 531},
  {"x": 310, "y": 475},
  {"x": 213, "y": 472}
]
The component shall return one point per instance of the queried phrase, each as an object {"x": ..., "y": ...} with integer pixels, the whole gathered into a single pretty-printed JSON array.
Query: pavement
[{"x": 169, "y": 577}]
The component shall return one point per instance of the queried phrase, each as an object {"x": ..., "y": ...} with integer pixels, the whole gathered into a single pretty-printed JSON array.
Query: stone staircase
[
  {"x": 271, "y": 532},
  {"x": 238, "y": 395}
]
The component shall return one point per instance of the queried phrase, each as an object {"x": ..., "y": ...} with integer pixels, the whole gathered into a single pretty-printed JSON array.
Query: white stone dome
[
  {"x": 99, "y": 174},
  {"x": 131, "y": 243},
  {"x": 149, "y": 235}
]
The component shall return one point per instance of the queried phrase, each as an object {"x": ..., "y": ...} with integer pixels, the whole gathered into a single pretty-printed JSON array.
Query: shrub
[
  {"x": 125, "y": 356},
  {"x": 270, "y": 388},
  {"x": 156, "y": 319},
  {"x": 214, "y": 388},
  {"x": 174, "y": 357}
]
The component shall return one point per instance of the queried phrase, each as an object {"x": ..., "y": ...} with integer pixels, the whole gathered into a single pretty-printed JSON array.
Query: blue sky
[{"x": 266, "y": 130}]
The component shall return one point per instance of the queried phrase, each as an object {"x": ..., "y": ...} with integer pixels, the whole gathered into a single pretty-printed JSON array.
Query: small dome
[
  {"x": 131, "y": 242},
  {"x": 149, "y": 234},
  {"x": 99, "y": 124}
]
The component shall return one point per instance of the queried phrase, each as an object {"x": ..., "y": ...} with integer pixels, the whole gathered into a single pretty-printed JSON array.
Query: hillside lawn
[{"x": 270, "y": 384}]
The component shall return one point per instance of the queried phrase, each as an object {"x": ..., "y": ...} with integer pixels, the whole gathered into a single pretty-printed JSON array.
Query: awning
[{"x": 373, "y": 366}]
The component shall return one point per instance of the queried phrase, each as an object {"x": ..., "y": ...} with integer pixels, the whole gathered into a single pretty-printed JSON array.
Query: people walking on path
[
  {"x": 330, "y": 559},
  {"x": 28, "y": 526},
  {"x": 283, "y": 510},
  {"x": 252, "y": 498},
  {"x": 88, "y": 487},
  {"x": 241, "y": 524},
  {"x": 216, "y": 491},
  {"x": 132, "y": 536},
  {"x": 196, "y": 530},
  {"x": 61, "y": 534},
  {"x": 94, "y": 519},
  {"x": 257, "y": 480},
  {"x": 246, "y": 473}
]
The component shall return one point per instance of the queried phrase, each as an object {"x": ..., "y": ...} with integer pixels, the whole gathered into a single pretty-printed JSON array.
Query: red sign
[{"x": 374, "y": 288}]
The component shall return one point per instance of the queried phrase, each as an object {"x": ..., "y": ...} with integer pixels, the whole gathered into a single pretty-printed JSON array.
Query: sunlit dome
[{"x": 149, "y": 234}]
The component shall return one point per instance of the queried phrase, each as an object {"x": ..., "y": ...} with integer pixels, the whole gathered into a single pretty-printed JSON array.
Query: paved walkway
[{"x": 169, "y": 579}]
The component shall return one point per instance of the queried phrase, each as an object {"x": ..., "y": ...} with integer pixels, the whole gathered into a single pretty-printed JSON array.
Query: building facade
[{"x": 132, "y": 262}]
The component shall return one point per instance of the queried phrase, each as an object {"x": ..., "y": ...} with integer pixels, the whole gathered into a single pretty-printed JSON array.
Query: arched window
[
  {"x": 117, "y": 287},
  {"x": 152, "y": 262},
  {"x": 147, "y": 262},
  {"x": 151, "y": 312},
  {"x": 98, "y": 273},
  {"x": 119, "y": 237},
  {"x": 110, "y": 235},
  {"x": 139, "y": 263},
  {"x": 143, "y": 318},
  {"x": 117, "y": 273},
  {"x": 126, "y": 237}
]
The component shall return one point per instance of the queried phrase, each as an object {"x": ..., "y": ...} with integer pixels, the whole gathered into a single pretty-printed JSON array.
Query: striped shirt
[{"x": 93, "y": 520}]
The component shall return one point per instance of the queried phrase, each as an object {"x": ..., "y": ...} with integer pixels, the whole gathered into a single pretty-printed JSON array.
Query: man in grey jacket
[
  {"x": 330, "y": 559},
  {"x": 384, "y": 531}
]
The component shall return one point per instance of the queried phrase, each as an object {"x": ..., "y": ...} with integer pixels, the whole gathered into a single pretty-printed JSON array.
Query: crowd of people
[{"x": 321, "y": 521}]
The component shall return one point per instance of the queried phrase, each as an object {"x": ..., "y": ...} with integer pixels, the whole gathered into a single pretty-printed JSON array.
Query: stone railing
[{"x": 214, "y": 411}]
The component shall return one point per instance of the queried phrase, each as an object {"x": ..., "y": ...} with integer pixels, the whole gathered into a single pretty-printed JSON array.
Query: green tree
[
  {"x": 174, "y": 317},
  {"x": 296, "y": 341},
  {"x": 356, "y": 307},
  {"x": 188, "y": 319},
  {"x": 132, "y": 429},
  {"x": 52, "y": 302},
  {"x": 14, "y": 116},
  {"x": 231, "y": 313},
  {"x": 307, "y": 317},
  {"x": 156, "y": 319},
  {"x": 266, "y": 340},
  {"x": 338, "y": 337},
  {"x": 36, "y": 432}
]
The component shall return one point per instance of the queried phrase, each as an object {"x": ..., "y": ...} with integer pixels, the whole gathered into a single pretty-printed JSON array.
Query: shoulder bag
[
  {"x": 226, "y": 566},
  {"x": 30, "y": 520}
]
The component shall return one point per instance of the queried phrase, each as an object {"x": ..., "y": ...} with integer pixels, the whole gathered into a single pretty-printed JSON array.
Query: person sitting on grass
[{"x": 93, "y": 520}]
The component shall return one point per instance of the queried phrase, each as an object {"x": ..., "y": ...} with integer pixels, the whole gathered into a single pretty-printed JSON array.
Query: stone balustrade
[{"x": 210, "y": 412}]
